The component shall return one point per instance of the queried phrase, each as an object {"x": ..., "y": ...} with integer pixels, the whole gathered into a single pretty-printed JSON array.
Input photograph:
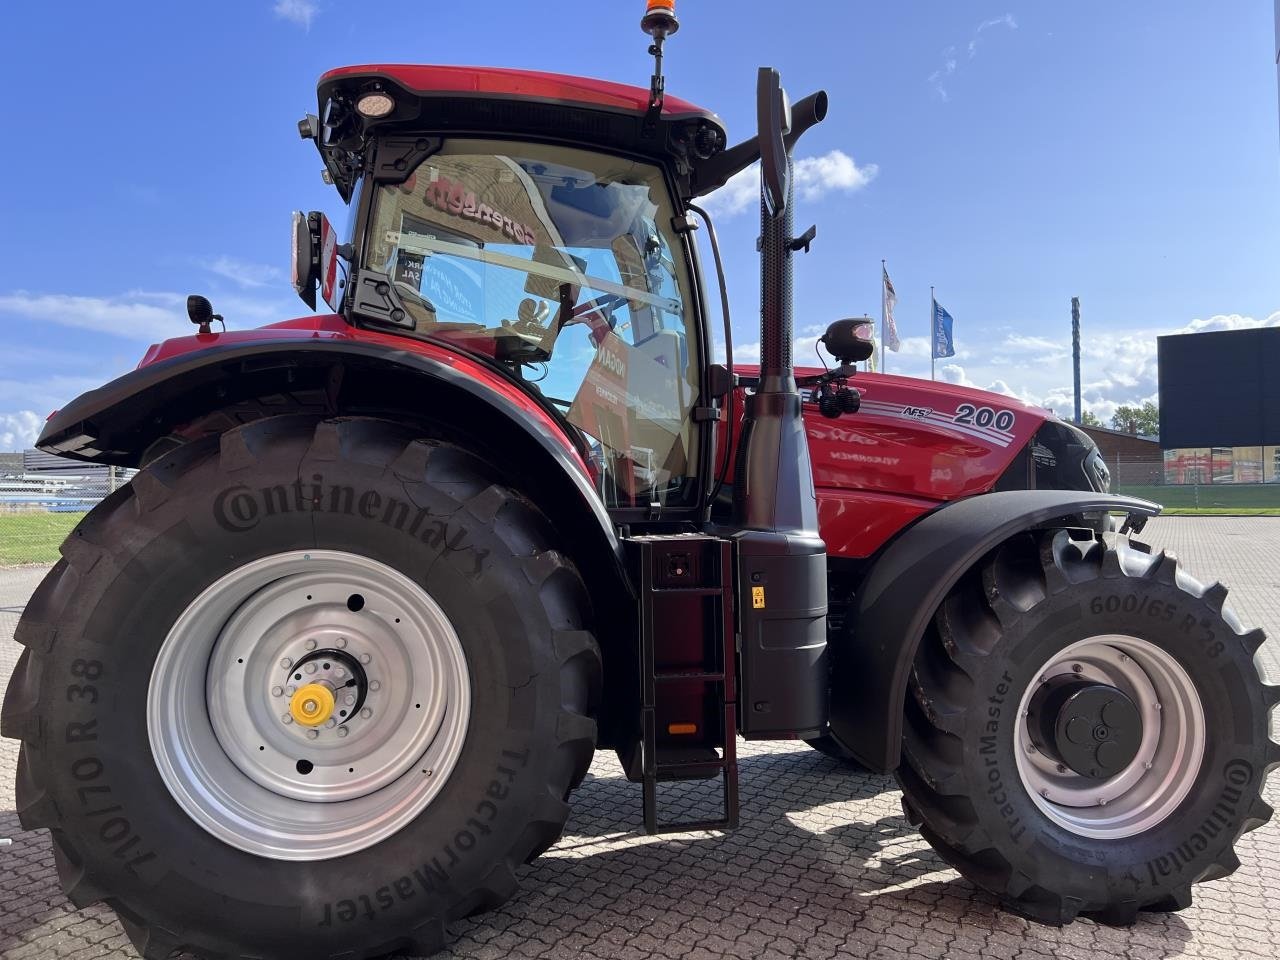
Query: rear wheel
[
  {"x": 1087, "y": 732},
  {"x": 311, "y": 689}
]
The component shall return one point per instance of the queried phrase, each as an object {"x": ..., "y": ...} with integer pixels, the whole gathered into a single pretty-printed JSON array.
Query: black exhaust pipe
[{"x": 782, "y": 570}]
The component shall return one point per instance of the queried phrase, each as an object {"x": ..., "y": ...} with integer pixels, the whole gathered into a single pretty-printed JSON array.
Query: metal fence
[
  {"x": 39, "y": 509},
  {"x": 1179, "y": 490}
]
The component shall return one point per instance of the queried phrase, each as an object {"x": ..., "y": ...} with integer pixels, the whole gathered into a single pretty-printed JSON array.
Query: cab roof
[
  {"x": 439, "y": 101},
  {"x": 428, "y": 80}
]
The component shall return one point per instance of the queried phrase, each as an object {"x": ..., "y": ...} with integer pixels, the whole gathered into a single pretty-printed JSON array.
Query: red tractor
[{"x": 325, "y": 673}]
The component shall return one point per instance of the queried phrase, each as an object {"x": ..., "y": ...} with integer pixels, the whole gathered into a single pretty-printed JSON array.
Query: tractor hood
[{"x": 916, "y": 444}]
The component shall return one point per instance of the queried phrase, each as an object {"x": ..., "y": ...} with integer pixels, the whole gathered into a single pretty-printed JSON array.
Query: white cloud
[
  {"x": 1118, "y": 366},
  {"x": 940, "y": 77},
  {"x": 814, "y": 177},
  {"x": 19, "y": 429},
  {"x": 242, "y": 272},
  {"x": 138, "y": 314},
  {"x": 301, "y": 12}
]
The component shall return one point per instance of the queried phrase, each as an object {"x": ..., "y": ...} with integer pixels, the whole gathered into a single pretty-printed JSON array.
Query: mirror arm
[{"x": 715, "y": 173}]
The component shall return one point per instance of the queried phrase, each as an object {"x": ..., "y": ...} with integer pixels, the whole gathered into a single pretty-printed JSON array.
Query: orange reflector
[
  {"x": 676, "y": 729},
  {"x": 652, "y": 5}
]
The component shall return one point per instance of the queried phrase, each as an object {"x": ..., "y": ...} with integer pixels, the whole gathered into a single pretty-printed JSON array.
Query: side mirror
[
  {"x": 773, "y": 123},
  {"x": 314, "y": 259},
  {"x": 843, "y": 342},
  {"x": 304, "y": 262}
]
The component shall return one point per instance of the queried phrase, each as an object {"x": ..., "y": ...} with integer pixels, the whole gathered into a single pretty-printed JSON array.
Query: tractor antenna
[{"x": 659, "y": 22}]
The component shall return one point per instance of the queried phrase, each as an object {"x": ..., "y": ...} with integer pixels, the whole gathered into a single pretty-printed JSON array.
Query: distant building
[
  {"x": 1220, "y": 406},
  {"x": 1130, "y": 458}
]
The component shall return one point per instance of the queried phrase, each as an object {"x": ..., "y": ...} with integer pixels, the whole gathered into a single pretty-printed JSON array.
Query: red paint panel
[
  {"x": 498, "y": 81},
  {"x": 858, "y": 523},
  {"x": 913, "y": 445}
]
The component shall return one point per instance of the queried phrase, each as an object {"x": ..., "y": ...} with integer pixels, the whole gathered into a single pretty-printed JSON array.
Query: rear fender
[{"x": 905, "y": 585}]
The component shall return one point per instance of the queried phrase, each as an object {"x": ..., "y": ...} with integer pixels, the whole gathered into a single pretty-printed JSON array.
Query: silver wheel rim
[
  {"x": 223, "y": 733},
  {"x": 1158, "y": 779}
]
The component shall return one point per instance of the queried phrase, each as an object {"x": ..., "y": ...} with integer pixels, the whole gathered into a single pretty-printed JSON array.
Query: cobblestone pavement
[{"x": 824, "y": 864}]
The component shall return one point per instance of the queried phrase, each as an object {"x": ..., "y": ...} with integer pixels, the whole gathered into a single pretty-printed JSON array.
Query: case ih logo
[{"x": 449, "y": 196}]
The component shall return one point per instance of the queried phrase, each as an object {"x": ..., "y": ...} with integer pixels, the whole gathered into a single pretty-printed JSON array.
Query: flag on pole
[
  {"x": 888, "y": 300},
  {"x": 943, "y": 341}
]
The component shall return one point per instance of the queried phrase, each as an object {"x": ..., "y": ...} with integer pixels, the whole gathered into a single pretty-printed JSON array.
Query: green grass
[
  {"x": 1254, "y": 499},
  {"x": 1221, "y": 512},
  {"x": 33, "y": 537}
]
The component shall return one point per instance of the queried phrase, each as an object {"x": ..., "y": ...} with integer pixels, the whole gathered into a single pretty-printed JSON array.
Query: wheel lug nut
[
  {"x": 343, "y": 731},
  {"x": 277, "y": 691},
  {"x": 312, "y": 734},
  {"x": 290, "y": 690},
  {"x": 1102, "y": 801},
  {"x": 339, "y": 672},
  {"x": 331, "y": 723},
  {"x": 366, "y": 713},
  {"x": 349, "y": 699},
  {"x": 1158, "y": 706},
  {"x": 365, "y": 658},
  {"x": 286, "y": 718},
  {"x": 342, "y": 643},
  {"x": 286, "y": 663},
  {"x": 1124, "y": 658},
  {"x": 311, "y": 644},
  {"x": 374, "y": 685},
  {"x": 311, "y": 668},
  {"x": 1076, "y": 668}
]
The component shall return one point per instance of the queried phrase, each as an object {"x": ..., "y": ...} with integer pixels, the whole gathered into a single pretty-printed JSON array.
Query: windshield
[{"x": 558, "y": 264}]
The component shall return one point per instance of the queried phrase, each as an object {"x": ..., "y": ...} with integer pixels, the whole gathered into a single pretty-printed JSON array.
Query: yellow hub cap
[{"x": 312, "y": 705}]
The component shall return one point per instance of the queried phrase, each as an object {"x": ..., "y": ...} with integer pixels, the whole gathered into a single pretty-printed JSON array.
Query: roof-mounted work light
[{"x": 375, "y": 105}]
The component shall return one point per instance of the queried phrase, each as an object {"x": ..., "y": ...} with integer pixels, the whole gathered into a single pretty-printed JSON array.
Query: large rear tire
[
  {"x": 174, "y": 796},
  {"x": 1045, "y": 816}
]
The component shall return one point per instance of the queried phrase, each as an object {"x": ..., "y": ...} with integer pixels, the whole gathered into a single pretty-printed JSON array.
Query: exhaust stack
[{"x": 782, "y": 568}]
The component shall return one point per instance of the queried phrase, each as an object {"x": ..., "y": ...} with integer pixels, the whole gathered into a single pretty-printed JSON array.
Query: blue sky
[{"x": 1012, "y": 154}]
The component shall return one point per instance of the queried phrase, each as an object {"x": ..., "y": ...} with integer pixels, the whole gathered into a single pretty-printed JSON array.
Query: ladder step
[
  {"x": 670, "y": 569},
  {"x": 688, "y": 675}
]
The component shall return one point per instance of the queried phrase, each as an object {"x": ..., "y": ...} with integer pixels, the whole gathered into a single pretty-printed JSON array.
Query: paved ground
[{"x": 823, "y": 866}]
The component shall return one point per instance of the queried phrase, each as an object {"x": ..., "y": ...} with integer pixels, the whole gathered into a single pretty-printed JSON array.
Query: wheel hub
[
  {"x": 308, "y": 705},
  {"x": 1111, "y": 736},
  {"x": 1095, "y": 729},
  {"x": 312, "y": 705}
]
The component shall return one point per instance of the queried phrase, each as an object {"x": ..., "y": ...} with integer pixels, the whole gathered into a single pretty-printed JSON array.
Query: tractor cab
[{"x": 536, "y": 221}]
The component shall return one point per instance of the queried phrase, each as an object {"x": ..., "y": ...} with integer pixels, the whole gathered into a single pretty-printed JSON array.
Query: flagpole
[
  {"x": 933, "y": 337},
  {"x": 883, "y": 322}
]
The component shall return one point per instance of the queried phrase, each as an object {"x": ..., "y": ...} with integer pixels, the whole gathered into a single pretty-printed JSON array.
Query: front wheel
[
  {"x": 1087, "y": 731},
  {"x": 311, "y": 689}
]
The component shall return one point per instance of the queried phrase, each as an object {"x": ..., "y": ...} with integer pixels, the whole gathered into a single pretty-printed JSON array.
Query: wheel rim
[
  {"x": 1168, "y": 757},
  {"x": 308, "y": 705}
]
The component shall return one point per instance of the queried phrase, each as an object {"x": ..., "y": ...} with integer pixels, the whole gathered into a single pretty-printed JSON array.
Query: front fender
[
  {"x": 119, "y": 421},
  {"x": 902, "y": 590}
]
